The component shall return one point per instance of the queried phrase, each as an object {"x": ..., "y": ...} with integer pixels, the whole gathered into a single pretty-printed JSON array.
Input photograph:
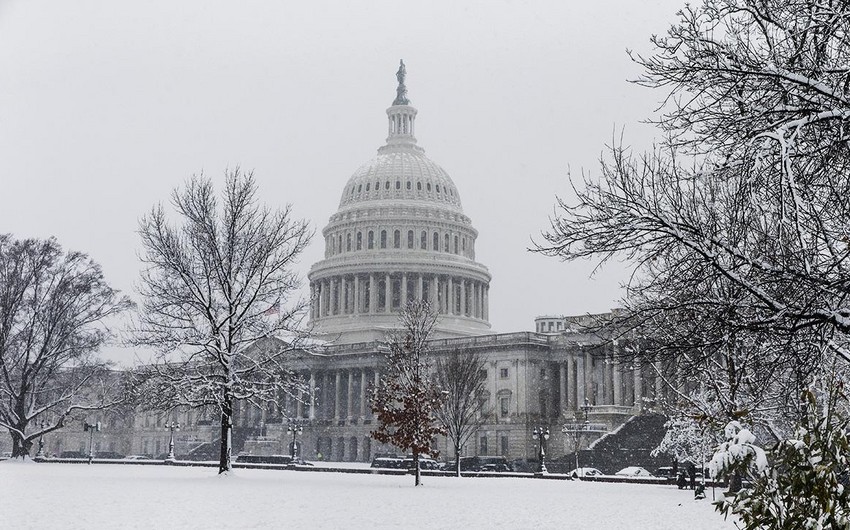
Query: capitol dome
[{"x": 399, "y": 234}]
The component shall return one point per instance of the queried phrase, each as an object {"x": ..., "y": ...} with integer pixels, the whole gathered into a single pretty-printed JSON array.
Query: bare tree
[
  {"x": 406, "y": 399},
  {"x": 52, "y": 310},
  {"x": 213, "y": 287},
  {"x": 459, "y": 376},
  {"x": 749, "y": 238}
]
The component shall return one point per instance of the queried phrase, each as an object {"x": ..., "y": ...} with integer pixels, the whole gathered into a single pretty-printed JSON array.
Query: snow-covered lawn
[{"x": 122, "y": 496}]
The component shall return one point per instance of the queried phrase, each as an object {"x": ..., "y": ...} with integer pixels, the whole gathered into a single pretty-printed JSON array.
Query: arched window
[
  {"x": 463, "y": 244},
  {"x": 359, "y": 188},
  {"x": 370, "y": 240},
  {"x": 456, "y": 247},
  {"x": 428, "y": 186},
  {"x": 410, "y": 239},
  {"x": 367, "y": 186},
  {"x": 387, "y": 185},
  {"x": 397, "y": 239},
  {"x": 339, "y": 243},
  {"x": 408, "y": 185},
  {"x": 398, "y": 184},
  {"x": 348, "y": 242},
  {"x": 419, "y": 186},
  {"x": 436, "y": 246},
  {"x": 446, "y": 246},
  {"x": 383, "y": 239},
  {"x": 423, "y": 240},
  {"x": 438, "y": 188},
  {"x": 359, "y": 240}
]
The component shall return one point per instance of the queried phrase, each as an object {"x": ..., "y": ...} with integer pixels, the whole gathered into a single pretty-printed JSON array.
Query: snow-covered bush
[{"x": 799, "y": 484}]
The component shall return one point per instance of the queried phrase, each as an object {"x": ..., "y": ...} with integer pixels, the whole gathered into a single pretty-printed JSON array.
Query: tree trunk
[
  {"x": 457, "y": 460},
  {"x": 224, "y": 462},
  {"x": 416, "y": 471},
  {"x": 20, "y": 446}
]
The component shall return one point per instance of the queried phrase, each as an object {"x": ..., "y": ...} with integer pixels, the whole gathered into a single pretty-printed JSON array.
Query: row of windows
[
  {"x": 359, "y": 188},
  {"x": 384, "y": 239}
]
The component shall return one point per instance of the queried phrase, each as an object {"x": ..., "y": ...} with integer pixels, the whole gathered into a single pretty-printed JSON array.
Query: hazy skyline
[{"x": 108, "y": 106}]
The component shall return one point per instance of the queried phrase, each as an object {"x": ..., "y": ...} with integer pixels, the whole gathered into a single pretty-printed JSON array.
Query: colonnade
[
  {"x": 604, "y": 380},
  {"x": 337, "y": 394},
  {"x": 374, "y": 293}
]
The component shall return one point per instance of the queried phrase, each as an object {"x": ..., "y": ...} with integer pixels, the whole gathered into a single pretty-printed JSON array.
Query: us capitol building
[{"x": 399, "y": 234}]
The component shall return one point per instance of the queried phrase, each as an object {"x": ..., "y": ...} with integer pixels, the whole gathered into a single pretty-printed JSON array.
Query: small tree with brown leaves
[{"x": 406, "y": 399}]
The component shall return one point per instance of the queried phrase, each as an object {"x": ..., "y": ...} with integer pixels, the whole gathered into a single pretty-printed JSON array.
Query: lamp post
[
  {"x": 172, "y": 426},
  {"x": 586, "y": 408},
  {"x": 295, "y": 429},
  {"x": 40, "y": 454},
  {"x": 91, "y": 428},
  {"x": 541, "y": 434}
]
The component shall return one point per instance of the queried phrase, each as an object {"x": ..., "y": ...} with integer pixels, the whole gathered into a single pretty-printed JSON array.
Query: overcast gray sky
[{"x": 106, "y": 106}]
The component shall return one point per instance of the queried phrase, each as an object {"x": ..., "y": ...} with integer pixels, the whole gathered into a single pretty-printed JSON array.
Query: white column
[
  {"x": 450, "y": 300},
  {"x": 334, "y": 299},
  {"x": 336, "y": 394},
  {"x": 373, "y": 294},
  {"x": 419, "y": 287},
  {"x": 563, "y": 381},
  {"x": 433, "y": 296},
  {"x": 403, "y": 293},
  {"x": 388, "y": 295},
  {"x": 463, "y": 297},
  {"x": 312, "y": 396},
  {"x": 363, "y": 402},
  {"x": 638, "y": 385},
  {"x": 357, "y": 308},
  {"x": 618, "y": 380},
  {"x": 350, "y": 399}
]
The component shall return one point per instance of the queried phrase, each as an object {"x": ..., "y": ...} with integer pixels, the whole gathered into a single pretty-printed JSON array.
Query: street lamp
[
  {"x": 91, "y": 428},
  {"x": 295, "y": 429},
  {"x": 586, "y": 408},
  {"x": 541, "y": 434},
  {"x": 173, "y": 426},
  {"x": 41, "y": 425}
]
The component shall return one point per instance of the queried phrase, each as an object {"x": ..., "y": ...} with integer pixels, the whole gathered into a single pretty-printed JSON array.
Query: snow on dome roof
[{"x": 401, "y": 174}]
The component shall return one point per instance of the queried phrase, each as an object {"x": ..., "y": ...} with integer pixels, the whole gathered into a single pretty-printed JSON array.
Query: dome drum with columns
[{"x": 399, "y": 234}]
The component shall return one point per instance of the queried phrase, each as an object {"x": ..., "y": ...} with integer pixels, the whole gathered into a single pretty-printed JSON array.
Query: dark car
[
  {"x": 271, "y": 459},
  {"x": 388, "y": 462},
  {"x": 481, "y": 463},
  {"x": 110, "y": 455}
]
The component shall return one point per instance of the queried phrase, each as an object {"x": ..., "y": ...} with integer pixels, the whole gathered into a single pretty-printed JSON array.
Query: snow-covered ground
[{"x": 118, "y": 496}]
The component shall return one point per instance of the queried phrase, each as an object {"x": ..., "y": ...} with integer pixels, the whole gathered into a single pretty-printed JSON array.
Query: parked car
[
  {"x": 110, "y": 455},
  {"x": 424, "y": 463},
  {"x": 271, "y": 459},
  {"x": 665, "y": 471},
  {"x": 481, "y": 463},
  {"x": 73, "y": 454},
  {"x": 138, "y": 457},
  {"x": 633, "y": 471},
  {"x": 388, "y": 462},
  {"x": 585, "y": 472}
]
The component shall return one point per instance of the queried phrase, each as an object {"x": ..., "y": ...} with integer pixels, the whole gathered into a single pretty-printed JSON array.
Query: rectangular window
[
  {"x": 504, "y": 443},
  {"x": 482, "y": 375},
  {"x": 503, "y": 373},
  {"x": 504, "y": 406},
  {"x": 482, "y": 445}
]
